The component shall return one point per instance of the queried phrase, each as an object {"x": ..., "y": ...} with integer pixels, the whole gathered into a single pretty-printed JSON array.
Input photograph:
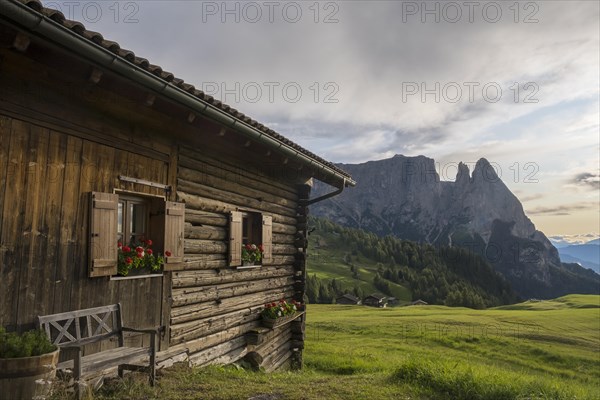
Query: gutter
[
  {"x": 327, "y": 196},
  {"x": 21, "y": 16}
]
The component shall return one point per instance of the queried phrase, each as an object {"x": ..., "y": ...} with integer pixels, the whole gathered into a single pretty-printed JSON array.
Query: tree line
[{"x": 438, "y": 275}]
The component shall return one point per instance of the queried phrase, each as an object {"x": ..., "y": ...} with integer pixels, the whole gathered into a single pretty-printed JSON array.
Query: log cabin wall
[
  {"x": 213, "y": 305},
  {"x": 56, "y": 148}
]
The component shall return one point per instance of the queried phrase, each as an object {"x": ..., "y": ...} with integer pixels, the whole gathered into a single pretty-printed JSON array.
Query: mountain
[
  {"x": 588, "y": 255},
  {"x": 404, "y": 197}
]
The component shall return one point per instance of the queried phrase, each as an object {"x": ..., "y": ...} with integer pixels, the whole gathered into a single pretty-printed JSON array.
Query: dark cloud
[{"x": 592, "y": 181}]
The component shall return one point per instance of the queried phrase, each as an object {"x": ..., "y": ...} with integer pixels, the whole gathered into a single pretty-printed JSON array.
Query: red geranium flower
[
  {"x": 128, "y": 260},
  {"x": 126, "y": 249},
  {"x": 149, "y": 251},
  {"x": 140, "y": 255},
  {"x": 119, "y": 244},
  {"x": 261, "y": 248},
  {"x": 148, "y": 242},
  {"x": 168, "y": 253},
  {"x": 139, "y": 249}
]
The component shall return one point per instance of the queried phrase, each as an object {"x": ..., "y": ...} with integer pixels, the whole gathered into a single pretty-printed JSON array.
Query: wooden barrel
[{"x": 27, "y": 377}]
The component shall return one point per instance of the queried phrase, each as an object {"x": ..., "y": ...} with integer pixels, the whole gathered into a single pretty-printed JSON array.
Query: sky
[{"x": 516, "y": 82}]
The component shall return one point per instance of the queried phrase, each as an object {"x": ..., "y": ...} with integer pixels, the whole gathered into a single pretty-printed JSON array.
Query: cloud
[
  {"x": 592, "y": 181},
  {"x": 574, "y": 239},
  {"x": 532, "y": 197},
  {"x": 563, "y": 209}
]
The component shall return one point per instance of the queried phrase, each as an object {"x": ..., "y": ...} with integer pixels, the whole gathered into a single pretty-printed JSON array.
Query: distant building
[
  {"x": 375, "y": 300},
  {"x": 392, "y": 301},
  {"x": 348, "y": 299},
  {"x": 419, "y": 302}
]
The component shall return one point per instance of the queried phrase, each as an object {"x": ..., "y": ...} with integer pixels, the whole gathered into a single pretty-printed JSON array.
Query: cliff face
[{"x": 404, "y": 197}]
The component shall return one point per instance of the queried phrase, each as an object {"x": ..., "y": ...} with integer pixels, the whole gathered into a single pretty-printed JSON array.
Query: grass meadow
[{"x": 532, "y": 350}]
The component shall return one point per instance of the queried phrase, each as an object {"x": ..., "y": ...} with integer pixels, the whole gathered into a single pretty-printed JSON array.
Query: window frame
[
  {"x": 249, "y": 227},
  {"x": 164, "y": 223}
]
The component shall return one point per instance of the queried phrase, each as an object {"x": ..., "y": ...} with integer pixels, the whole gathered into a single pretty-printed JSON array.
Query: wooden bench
[{"x": 76, "y": 329}]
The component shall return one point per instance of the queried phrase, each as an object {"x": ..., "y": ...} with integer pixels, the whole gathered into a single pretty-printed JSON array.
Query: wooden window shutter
[
  {"x": 235, "y": 238},
  {"x": 103, "y": 254},
  {"x": 267, "y": 238},
  {"x": 174, "y": 229}
]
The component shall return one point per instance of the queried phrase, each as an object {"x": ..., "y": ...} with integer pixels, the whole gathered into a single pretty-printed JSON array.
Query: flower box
[
  {"x": 277, "y": 322},
  {"x": 139, "y": 259}
]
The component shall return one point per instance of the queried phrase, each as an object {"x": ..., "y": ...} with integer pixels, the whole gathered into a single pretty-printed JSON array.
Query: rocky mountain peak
[
  {"x": 463, "y": 176},
  {"x": 484, "y": 172},
  {"x": 403, "y": 196}
]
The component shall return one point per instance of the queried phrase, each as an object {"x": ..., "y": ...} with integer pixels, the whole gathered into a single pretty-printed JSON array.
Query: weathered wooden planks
[
  {"x": 212, "y": 277},
  {"x": 242, "y": 175},
  {"x": 239, "y": 200},
  {"x": 194, "y": 312},
  {"x": 47, "y": 177},
  {"x": 187, "y": 296},
  {"x": 198, "y": 202},
  {"x": 13, "y": 219}
]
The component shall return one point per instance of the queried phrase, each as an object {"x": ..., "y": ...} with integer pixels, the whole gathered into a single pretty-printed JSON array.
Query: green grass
[
  {"x": 545, "y": 350},
  {"x": 326, "y": 261}
]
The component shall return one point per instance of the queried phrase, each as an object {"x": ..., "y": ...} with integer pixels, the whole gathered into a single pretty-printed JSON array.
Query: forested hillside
[{"x": 346, "y": 260}]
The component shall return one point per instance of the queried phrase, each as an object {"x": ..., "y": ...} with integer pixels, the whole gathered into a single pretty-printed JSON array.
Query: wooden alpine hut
[{"x": 102, "y": 152}]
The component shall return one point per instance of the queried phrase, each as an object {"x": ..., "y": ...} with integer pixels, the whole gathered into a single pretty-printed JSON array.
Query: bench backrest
[{"x": 83, "y": 326}]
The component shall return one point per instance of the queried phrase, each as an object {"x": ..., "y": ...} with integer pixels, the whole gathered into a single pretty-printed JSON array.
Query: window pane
[
  {"x": 245, "y": 231},
  {"x": 138, "y": 219},
  {"x": 120, "y": 220}
]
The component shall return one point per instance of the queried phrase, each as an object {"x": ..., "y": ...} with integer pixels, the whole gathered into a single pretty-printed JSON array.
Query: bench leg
[
  {"x": 77, "y": 375},
  {"x": 153, "y": 359}
]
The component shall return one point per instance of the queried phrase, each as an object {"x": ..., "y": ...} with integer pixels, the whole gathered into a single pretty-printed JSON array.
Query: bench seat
[{"x": 108, "y": 358}]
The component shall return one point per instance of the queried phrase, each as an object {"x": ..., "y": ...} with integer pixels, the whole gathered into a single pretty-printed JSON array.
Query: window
[
  {"x": 249, "y": 228},
  {"x": 132, "y": 219},
  {"x": 128, "y": 218}
]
